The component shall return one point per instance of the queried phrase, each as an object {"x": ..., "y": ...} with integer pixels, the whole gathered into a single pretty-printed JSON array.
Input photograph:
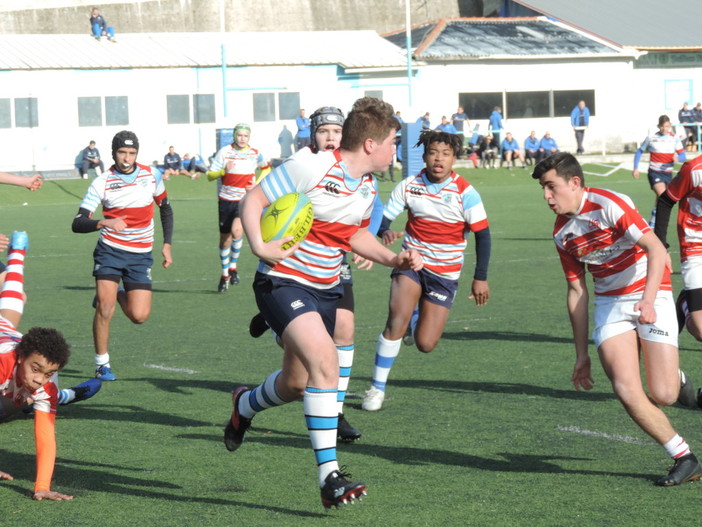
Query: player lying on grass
[
  {"x": 442, "y": 207},
  {"x": 28, "y": 369},
  {"x": 686, "y": 188},
  {"x": 326, "y": 129},
  {"x": 601, "y": 230},
  {"x": 299, "y": 300}
]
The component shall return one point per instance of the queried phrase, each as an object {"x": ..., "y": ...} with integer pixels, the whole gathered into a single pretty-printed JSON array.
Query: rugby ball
[{"x": 289, "y": 215}]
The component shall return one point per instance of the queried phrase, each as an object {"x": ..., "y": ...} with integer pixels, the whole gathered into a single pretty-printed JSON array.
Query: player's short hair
[
  {"x": 565, "y": 165},
  {"x": 47, "y": 342},
  {"x": 428, "y": 137},
  {"x": 663, "y": 119},
  {"x": 370, "y": 118}
]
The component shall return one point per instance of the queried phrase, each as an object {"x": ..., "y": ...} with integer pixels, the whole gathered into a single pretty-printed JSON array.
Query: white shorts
[
  {"x": 691, "y": 270},
  {"x": 615, "y": 315}
]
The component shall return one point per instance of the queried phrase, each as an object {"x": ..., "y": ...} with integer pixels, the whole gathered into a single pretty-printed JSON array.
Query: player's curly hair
[
  {"x": 47, "y": 342},
  {"x": 428, "y": 137},
  {"x": 370, "y": 118}
]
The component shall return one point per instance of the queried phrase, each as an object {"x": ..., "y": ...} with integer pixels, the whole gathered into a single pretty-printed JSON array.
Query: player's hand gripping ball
[{"x": 289, "y": 215}]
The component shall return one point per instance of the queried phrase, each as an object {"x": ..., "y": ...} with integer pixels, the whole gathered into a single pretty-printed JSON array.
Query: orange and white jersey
[
  {"x": 603, "y": 235},
  {"x": 341, "y": 204},
  {"x": 439, "y": 217},
  {"x": 45, "y": 398},
  {"x": 663, "y": 148},
  {"x": 686, "y": 188},
  {"x": 240, "y": 171},
  {"x": 129, "y": 195}
]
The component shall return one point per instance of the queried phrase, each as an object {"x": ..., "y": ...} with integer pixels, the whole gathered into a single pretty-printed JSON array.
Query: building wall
[
  {"x": 43, "y": 16},
  {"x": 628, "y": 103}
]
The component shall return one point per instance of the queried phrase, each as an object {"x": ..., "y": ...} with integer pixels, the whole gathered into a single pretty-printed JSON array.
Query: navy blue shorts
[
  {"x": 228, "y": 211},
  {"x": 435, "y": 289},
  {"x": 134, "y": 269},
  {"x": 659, "y": 177},
  {"x": 282, "y": 300}
]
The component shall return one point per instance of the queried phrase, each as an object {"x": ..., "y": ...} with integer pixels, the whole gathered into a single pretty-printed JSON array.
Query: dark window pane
[
  {"x": 116, "y": 111},
  {"x": 5, "y": 114},
  {"x": 527, "y": 104},
  {"x": 378, "y": 94},
  {"x": 204, "y": 108},
  {"x": 89, "y": 111},
  {"x": 289, "y": 106},
  {"x": 565, "y": 100},
  {"x": 26, "y": 115},
  {"x": 264, "y": 106},
  {"x": 178, "y": 109},
  {"x": 479, "y": 105}
]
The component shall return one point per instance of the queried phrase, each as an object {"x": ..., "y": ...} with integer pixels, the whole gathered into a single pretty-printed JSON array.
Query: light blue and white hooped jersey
[
  {"x": 439, "y": 215},
  {"x": 342, "y": 204}
]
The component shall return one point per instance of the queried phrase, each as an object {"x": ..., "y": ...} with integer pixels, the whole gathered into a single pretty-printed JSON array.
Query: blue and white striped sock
[
  {"x": 262, "y": 397},
  {"x": 345, "y": 364},
  {"x": 224, "y": 255},
  {"x": 322, "y": 420},
  {"x": 386, "y": 351},
  {"x": 235, "y": 252}
]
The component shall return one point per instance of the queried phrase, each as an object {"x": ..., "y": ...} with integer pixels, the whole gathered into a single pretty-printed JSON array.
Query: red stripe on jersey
[
  {"x": 159, "y": 199},
  {"x": 136, "y": 217},
  {"x": 434, "y": 231},
  {"x": 238, "y": 180},
  {"x": 332, "y": 234}
]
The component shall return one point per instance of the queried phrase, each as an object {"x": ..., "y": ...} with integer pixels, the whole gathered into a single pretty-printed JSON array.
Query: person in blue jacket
[
  {"x": 547, "y": 147},
  {"x": 496, "y": 125},
  {"x": 580, "y": 120},
  {"x": 447, "y": 126},
  {"x": 531, "y": 148},
  {"x": 99, "y": 26}
]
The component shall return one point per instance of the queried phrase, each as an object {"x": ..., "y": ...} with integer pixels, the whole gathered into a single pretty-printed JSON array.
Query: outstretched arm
[{"x": 30, "y": 183}]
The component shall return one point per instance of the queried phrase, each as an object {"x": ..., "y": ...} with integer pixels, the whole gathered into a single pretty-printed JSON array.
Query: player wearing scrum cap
[
  {"x": 126, "y": 191},
  {"x": 234, "y": 168}
]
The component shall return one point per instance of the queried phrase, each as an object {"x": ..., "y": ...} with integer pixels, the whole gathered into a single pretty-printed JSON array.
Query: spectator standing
[
  {"x": 286, "y": 142},
  {"x": 580, "y": 120},
  {"x": 496, "y": 124},
  {"x": 462, "y": 123},
  {"x": 687, "y": 115},
  {"x": 302, "y": 139}
]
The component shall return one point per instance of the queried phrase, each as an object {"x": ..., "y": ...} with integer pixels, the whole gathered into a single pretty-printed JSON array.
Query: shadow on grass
[
  {"x": 499, "y": 387},
  {"x": 502, "y": 462},
  {"x": 507, "y": 336},
  {"x": 63, "y": 189},
  {"x": 87, "y": 477}
]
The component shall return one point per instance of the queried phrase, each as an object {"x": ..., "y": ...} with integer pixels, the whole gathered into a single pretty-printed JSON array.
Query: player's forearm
[
  {"x": 45, "y": 440},
  {"x": 577, "y": 301}
]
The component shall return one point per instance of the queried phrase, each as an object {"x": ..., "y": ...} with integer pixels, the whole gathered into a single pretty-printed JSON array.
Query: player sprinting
[
  {"x": 686, "y": 188},
  {"x": 326, "y": 129},
  {"x": 127, "y": 193},
  {"x": 29, "y": 366},
  {"x": 234, "y": 168},
  {"x": 299, "y": 300},
  {"x": 663, "y": 145},
  {"x": 442, "y": 207},
  {"x": 602, "y": 231}
]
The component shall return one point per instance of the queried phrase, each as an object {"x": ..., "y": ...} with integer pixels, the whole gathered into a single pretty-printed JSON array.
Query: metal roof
[
  {"x": 502, "y": 38},
  {"x": 640, "y": 24},
  {"x": 348, "y": 49}
]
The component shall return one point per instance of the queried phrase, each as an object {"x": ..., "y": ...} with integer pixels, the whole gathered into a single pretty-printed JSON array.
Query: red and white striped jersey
[
  {"x": 439, "y": 217},
  {"x": 45, "y": 398},
  {"x": 686, "y": 188},
  {"x": 341, "y": 204},
  {"x": 603, "y": 235},
  {"x": 130, "y": 195},
  {"x": 240, "y": 171},
  {"x": 663, "y": 149}
]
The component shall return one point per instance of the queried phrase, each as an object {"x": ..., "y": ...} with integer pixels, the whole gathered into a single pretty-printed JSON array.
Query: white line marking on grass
[
  {"x": 603, "y": 435},
  {"x": 168, "y": 368},
  {"x": 613, "y": 169}
]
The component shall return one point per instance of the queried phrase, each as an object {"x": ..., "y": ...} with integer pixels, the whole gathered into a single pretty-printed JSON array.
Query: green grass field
[{"x": 485, "y": 430}]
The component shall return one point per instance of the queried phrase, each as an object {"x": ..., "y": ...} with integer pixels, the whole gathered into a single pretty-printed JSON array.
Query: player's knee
[
  {"x": 665, "y": 396},
  {"x": 138, "y": 317},
  {"x": 425, "y": 345},
  {"x": 694, "y": 330}
]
